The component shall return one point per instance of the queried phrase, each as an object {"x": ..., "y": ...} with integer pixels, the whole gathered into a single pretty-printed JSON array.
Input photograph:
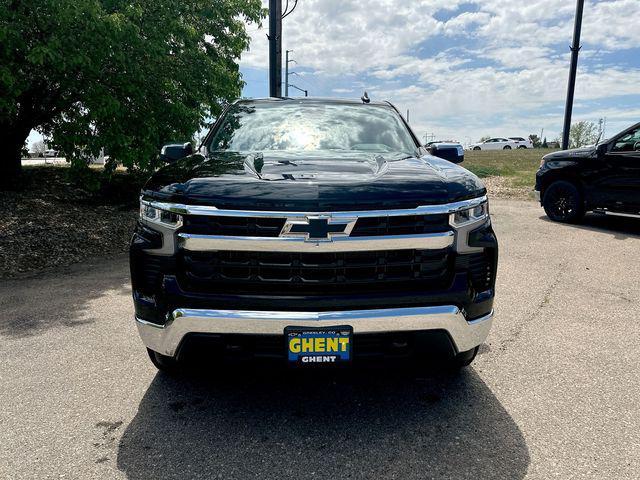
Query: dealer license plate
[{"x": 319, "y": 346}]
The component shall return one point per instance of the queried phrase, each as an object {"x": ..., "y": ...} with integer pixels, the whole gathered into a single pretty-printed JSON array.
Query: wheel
[
  {"x": 507, "y": 147},
  {"x": 476, "y": 148},
  {"x": 522, "y": 146},
  {"x": 563, "y": 202},
  {"x": 165, "y": 364},
  {"x": 463, "y": 359}
]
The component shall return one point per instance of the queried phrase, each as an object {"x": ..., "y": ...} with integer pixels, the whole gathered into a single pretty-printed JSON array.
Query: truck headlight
[
  {"x": 470, "y": 215},
  {"x": 158, "y": 216}
]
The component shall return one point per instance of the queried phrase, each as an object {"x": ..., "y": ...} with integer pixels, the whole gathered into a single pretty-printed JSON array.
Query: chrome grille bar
[
  {"x": 446, "y": 208},
  {"x": 208, "y": 243}
]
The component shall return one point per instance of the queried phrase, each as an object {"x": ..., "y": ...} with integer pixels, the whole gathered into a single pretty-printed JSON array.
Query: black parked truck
[
  {"x": 602, "y": 178},
  {"x": 313, "y": 231}
]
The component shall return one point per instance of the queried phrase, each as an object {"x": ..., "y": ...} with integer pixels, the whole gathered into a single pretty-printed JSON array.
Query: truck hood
[
  {"x": 312, "y": 182},
  {"x": 574, "y": 153}
]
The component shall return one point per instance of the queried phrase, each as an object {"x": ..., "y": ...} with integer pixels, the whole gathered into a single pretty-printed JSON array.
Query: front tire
[
  {"x": 563, "y": 202},
  {"x": 507, "y": 147},
  {"x": 165, "y": 364},
  {"x": 463, "y": 359},
  {"x": 477, "y": 148}
]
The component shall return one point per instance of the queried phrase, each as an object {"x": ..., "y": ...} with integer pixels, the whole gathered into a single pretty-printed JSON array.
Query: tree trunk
[{"x": 11, "y": 142}]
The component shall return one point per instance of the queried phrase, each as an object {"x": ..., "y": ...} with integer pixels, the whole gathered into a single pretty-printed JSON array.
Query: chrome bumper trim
[
  {"x": 616, "y": 214},
  {"x": 208, "y": 243},
  {"x": 446, "y": 208},
  {"x": 165, "y": 339}
]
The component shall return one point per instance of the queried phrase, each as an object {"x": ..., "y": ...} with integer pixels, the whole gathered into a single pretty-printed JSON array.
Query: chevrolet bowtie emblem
[{"x": 321, "y": 228}]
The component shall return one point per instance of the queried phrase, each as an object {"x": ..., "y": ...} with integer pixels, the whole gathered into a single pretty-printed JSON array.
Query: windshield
[{"x": 312, "y": 127}]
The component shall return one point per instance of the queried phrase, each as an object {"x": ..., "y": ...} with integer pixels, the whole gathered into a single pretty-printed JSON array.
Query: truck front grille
[
  {"x": 312, "y": 273},
  {"x": 233, "y": 226},
  {"x": 402, "y": 225},
  {"x": 271, "y": 227}
]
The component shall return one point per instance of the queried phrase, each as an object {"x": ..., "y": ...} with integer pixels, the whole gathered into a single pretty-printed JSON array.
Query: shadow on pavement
[
  {"x": 61, "y": 298},
  {"x": 620, "y": 227},
  {"x": 367, "y": 424}
]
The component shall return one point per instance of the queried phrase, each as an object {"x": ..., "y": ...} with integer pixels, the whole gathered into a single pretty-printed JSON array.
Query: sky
[{"x": 463, "y": 68}]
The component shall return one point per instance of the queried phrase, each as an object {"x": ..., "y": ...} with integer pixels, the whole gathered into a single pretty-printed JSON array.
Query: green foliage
[
  {"x": 485, "y": 138},
  {"x": 584, "y": 133},
  {"x": 124, "y": 75}
]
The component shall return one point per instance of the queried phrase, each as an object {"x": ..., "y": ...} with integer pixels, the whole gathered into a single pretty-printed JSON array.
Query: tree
[
  {"x": 39, "y": 148},
  {"x": 484, "y": 139},
  {"x": 584, "y": 133},
  {"x": 126, "y": 75},
  {"x": 544, "y": 143},
  {"x": 534, "y": 140}
]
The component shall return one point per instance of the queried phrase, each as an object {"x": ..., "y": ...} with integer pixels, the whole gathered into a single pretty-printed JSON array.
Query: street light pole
[
  {"x": 306, "y": 92},
  {"x": 275, "y": 48},
  {"x": 575, "y": 50}
]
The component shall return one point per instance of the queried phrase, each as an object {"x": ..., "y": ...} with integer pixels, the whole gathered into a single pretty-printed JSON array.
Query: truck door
[{"x": 620, "y": 182}]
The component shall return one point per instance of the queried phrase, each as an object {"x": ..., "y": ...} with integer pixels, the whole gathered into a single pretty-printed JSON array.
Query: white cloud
[{"x": 500, "y": 62}]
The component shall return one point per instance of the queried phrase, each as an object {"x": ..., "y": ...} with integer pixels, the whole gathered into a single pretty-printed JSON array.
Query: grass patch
[
  {"x": 518, "y": 167},
  {"x": 484, "y": 171}
]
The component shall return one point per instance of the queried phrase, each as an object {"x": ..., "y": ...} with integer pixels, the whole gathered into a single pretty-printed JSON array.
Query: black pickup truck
[
  {"x": 602, "y": 178},
  {"x": 313, "y": 231}
]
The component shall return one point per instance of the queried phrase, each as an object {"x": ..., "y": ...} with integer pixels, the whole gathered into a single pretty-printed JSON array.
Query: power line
[{"x": 288, "y": 12}]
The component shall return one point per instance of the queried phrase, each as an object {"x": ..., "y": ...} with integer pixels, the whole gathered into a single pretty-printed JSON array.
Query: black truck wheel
[
  {"x": 563, "y": 202},
  {"x": 463, "y": 359},
  {"x": 165, "y": 364}
]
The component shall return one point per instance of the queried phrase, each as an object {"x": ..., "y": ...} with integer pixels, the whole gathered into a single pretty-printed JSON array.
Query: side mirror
[
  {"x": 602, "y": 148},
  {"x": 175, "y": 151},
  {"x": 452, "y": 153}
]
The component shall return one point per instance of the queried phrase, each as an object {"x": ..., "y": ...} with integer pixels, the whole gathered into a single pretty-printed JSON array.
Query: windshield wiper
[
  {"x": 287, "y": 162},
  {"x": 255, "y": 162}
]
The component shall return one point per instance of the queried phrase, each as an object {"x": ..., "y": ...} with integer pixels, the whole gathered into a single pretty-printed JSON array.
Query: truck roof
[{"x": 340, "y": 101}]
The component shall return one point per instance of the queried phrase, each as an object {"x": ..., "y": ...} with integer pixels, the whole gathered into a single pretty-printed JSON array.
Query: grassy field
[{"x": 507, "y": 173}]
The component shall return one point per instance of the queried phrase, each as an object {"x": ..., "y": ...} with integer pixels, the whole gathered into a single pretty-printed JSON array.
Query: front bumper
[{"x": 166, "y": 339}]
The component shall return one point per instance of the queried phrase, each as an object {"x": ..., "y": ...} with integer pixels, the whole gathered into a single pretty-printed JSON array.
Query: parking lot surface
[{"x": 553, "y": 393}]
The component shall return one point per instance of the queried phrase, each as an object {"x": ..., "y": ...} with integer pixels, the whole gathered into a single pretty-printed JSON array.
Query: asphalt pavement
[{"x": 553, "y": 394}]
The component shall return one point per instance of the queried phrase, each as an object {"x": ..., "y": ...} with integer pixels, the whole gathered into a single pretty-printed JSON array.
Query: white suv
[{"x": 522, "y": 142}]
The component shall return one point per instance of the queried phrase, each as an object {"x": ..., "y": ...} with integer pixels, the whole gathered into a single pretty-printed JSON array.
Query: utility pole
[
  {"x": 275, "y": 48},
  {"x": 575, "y": 50},
  {"x": 286, "y": 72}
]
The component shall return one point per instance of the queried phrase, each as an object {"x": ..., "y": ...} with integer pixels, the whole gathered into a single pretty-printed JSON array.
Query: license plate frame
[{"x": 311, "y": 348}]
